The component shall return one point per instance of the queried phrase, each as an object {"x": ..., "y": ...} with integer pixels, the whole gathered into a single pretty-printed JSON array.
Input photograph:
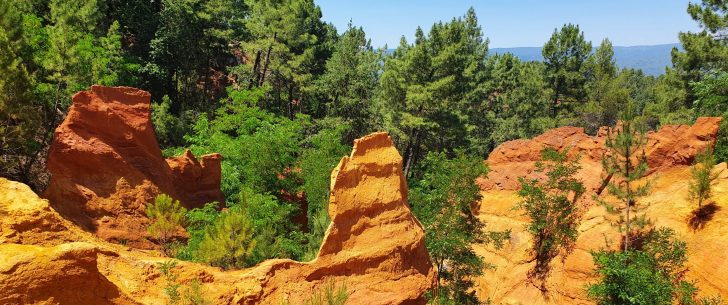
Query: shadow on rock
[{"x": 701, "y": 216}]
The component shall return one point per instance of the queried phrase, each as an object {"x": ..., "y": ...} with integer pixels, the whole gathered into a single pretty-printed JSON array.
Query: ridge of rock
[{"x": 670, "y": 146}]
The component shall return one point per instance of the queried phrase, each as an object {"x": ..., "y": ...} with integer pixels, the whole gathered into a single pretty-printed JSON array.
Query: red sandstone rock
[
  {"x": 670, "y": 146},
  {"x": 106, "y": 165}
]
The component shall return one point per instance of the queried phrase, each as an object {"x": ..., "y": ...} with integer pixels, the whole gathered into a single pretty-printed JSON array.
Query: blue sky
[{"x": 518, "y": 23}]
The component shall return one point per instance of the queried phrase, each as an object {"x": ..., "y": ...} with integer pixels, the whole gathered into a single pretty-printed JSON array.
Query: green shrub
[
  {"x": 331, "y": 294},
  {"x": 171, "y": 287},
  {"x": 550, "y": 204},
  {"x": 321, "y": 154},
  {"x": 443, "y": 199},
  {"x": 167, "y": 217},
  {"x": 189, "y": 294},
  {"x": 228, "y": 242},
  {"x": 650, "y": 275},
  {"x": 702, "y": 177}
]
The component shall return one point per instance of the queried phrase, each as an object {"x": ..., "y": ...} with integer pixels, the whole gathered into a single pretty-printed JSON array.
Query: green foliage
[
  {"x": 197, "y": 219},
  {"x": 651, "y": 275},
  {"x": 169, "y": 128},
  {"x": 442, "y": 199},
  {"x": 190, "y": 294},
  {"x": 669, "y": 105},
  {"x": 50, "y": 51},
  {"x": 288, "y": 45},
  {"x": 321, "y": 154},
  {"x": 520, "y": 101},
  {"x": 711, "y": 98},
  {"x": 608, "y": 90},
  {"x": 550, "y": 203},
  {"x": 20, "y": 115},
  {"x": 701, "y": 185},
  {"x": 167, "y": 216},
  {"x": 276, "y": 235},
  {"x": 711, "y": 95},
  {"x": 329, "y": 295},
  {"x": 257, "y": 145},
  {"x": 252, "y": 229},
  {"x": 349, "y": 82},
  {"x": 205, "y": 29},
  {"x": 228, "y": 242},
  {"x": 625, "y": 163},
  {"x": 565, "y": 55},
  {"x": 705, "y": 51},
  {"x": 171, "y": 287},
  {"x": 430, "y": 89}
]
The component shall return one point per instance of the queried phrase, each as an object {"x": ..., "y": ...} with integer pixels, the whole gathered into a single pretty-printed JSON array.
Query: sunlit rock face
[
  {"x": 669, "y": 152},
  {"x": 106, "y": 166}
]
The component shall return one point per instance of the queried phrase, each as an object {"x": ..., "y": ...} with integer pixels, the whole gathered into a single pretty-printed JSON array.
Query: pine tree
[
  {"x": 349, "y": 83},
  {"x": 565, "y": 55},
  {"x": 167, "y": 217},
  {"x": 705, "y": 51},
  {"x": 431, "y": 96},
  {"x": 606, "y": 90},
  {"x": 625, "y": 162},
  {"x": 703, "y": 177},
  {"x": 20, "y": 113},
  {"x": 288, "y": 47}
]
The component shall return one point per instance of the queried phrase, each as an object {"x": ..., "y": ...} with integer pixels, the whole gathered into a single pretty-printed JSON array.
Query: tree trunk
[
  {"x": 256, "y": 65},
  {"x": 267, "y": 60},
  {"x": 290, "y": 100},
  {"x": 410, "y": 154}
]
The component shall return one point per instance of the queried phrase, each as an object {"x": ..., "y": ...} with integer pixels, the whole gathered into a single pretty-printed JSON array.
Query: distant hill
[{"x": 651, "y": 59}]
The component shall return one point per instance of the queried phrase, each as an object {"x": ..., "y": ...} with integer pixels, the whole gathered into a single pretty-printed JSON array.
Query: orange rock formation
[
  {"x": 106, "y": 166},
  {"x": 669, "y": 152},
  {"x": 374, "y": 246}
]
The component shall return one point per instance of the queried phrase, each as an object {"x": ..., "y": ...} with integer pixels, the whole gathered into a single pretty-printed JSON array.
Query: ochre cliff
[
  {"x": 374, "y": 246},
  {"x": 106, "y": 165},
  {"x": 669, "y": 151}
]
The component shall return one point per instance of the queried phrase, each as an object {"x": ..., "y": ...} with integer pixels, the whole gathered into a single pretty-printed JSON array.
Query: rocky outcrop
[
  {"x": 669, "y": 152},
  {"x": 670, "y": 146},
  {"x": 63, "y": 274},
  {"x": 374, "y": 246},
  {"x": 25, "y": 219},
  {"x": 106, "y": 166}
]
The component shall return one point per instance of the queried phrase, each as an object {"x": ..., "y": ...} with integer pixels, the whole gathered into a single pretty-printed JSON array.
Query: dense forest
[{"x": 281, "y": 94}]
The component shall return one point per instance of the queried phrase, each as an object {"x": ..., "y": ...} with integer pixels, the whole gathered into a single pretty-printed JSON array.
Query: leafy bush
[
  {"x": 442, "y": 199},
  {"x": 711, "y": 99},
  {"x": 321, "y": 154},
  {"x": 167, "y": 217},
  {"x": 258, "y": 146},
  {"x": 228, "y": 242},
  {"x": 652, "y": 275},
  {"x": 550, "y": 203},
  {"x": 702, "y": 177},
  {"x": 171, "y": 287},
  {"x": 169, "y": 128},
  {"x": 255, "y": 228}
]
